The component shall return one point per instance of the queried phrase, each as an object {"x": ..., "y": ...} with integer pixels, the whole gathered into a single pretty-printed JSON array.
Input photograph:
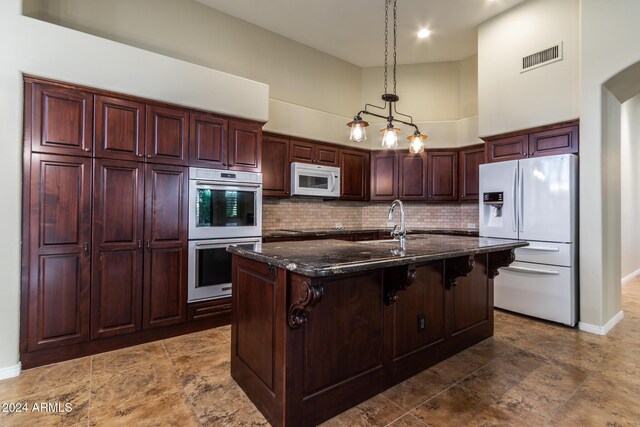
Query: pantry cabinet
[{"x": 59, "y": 257}]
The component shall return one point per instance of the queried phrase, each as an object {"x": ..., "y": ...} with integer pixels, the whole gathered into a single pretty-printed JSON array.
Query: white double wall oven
[{"x": 225, "y": 208}]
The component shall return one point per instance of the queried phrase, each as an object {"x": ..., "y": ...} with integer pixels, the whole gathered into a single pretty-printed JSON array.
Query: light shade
[
  {"x": 358, "y": 132},
  {"x": 416, "y": 142},
  {"x": 390, "y": 136}
]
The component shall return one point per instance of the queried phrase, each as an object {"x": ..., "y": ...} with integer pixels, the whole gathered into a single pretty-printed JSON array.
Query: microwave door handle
[{"x": 333, "y": 182}]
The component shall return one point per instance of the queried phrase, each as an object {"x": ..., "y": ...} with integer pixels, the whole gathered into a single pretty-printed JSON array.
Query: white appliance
[
  {"x": 225, "y": 208},
  {"x": 224, "y": 204},
  {"x": 534, "y": 200},
  {"x": 315, "y": 180}
]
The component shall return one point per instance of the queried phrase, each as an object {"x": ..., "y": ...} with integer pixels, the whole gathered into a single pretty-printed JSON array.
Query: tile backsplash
[{"x": 300, "y": 214}]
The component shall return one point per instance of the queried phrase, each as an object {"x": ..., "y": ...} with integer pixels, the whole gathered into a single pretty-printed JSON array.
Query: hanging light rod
[{"x": 390, "y": 133}]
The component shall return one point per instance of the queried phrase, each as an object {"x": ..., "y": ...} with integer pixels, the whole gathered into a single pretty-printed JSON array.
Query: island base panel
[{"x": 306, "y": 349}]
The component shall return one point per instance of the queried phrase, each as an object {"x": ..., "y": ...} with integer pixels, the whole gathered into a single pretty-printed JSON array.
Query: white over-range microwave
[{"x": 315, "y": 180}]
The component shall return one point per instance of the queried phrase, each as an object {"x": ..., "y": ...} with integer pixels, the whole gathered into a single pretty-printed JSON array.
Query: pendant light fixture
[{"x": 390, "y": 132}]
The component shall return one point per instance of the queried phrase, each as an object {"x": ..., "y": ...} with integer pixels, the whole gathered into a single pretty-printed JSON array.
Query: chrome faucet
[{"x": 398, "y": 234}]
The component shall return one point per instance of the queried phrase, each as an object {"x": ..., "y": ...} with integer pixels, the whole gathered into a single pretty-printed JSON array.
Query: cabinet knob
[
  {"x": 87, "y": 149},
  {"x": 149, "y": 156},
  {"x": 462, "y": 196},
  {"x": 148, "y": 246},
  {"x": 224, "y": 164},
  {"x": 140, "y": 155},
  {"x": 85, "y": 249}
]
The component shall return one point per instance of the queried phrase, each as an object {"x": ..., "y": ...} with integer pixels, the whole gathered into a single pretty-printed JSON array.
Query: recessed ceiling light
[{"x": 423, "y": 33}]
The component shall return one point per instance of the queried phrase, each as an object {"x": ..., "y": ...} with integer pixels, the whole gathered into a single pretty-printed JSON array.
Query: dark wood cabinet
[
  {"x": 412, "y": 172},
  {"x": 276, "y": 174},
  {"x": 167, "y": 135},
  {"x": 309, "y": 152},
  {"x": 224, "y": 144},
  {"x": 60, "y": 251},
  {"x": 165, "y": 259},
  {"x": 354, "y": 175},
  {"x": 327, "y": 155},
  {"x": 119, "y": 131},
  {"x": 62, "y": 119},
  {"x": 469, "y": 163},
  {"x": 245, "y": 146},
  {"x": 442, "y": 169},
  {"x": 118, "y": 216},
  {"x": 561, "y": 140},
  {"x": 208, "y": 141},
  {"x": 424, "y": 300},
  {"x": 509, "y": 148},
  {"x": 384, "y": 175},
  {"x": 548, "y": 140}
]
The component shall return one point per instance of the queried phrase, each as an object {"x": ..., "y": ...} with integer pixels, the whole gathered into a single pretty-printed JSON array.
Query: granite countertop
[
  {"x": 319, "y": 258},
  {"x": 330, "y": 231}
]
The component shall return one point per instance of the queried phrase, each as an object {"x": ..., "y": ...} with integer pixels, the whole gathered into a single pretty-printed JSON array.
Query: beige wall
[
  {"x": 312, "y": 94},
  {"x": 509, "y": 100},
  {"x": 441, "y": 97},
  {"x": 630, "y": 191},
  {"x": 609, "y": 35}
]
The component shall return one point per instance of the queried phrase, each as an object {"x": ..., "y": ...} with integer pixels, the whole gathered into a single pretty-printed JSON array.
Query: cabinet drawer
[
  {"x": 546, "y": 253},
  {"x": 207, "y": 309}
]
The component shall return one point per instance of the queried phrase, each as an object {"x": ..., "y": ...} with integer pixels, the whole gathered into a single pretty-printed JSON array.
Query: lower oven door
[{"x": 210, "y": 266}]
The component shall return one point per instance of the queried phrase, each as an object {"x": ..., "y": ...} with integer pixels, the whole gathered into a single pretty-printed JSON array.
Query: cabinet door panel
[
  {"x": 354, "y": 175},
  {"x": 562, "y": 140},
  {"x": 119, "y": 128},
  {"x": 245, "y": 146},
  {"x": 166, "y": 204},
  {"x": 62, "y": 120},
  {"x": 326, "y": 155},
  {"x": 167, "y": 135},
  {"x": 165, "y": 287},
  {"x": 471, "y": 298},
  {"x": 442, "y": 167},
  {"x": 424, "y": 298},
  {"x": 510, "y": 148},
  {"x": 300, "y": 151},
  {"x": 412, "y": 169},
  {"x": 59, "y": 262},
  {"x": 208, "y": 145},
  {"x": 469, "y": 174},
  {"x": 275, "y": 166},
  {"x": 116, "y": 291},
  {"x": 384, "y": 175},
  {"x": 165, "y": 281}
]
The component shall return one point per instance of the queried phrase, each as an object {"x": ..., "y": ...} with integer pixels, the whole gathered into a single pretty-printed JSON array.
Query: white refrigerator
[{"x": 534, "y": 200}]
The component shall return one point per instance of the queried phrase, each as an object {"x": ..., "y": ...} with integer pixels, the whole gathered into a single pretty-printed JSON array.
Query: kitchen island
[{"x": 320, "y": 326}]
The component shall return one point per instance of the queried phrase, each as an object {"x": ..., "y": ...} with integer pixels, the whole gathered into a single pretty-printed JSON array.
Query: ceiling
[{"x": 353, "y": 30}]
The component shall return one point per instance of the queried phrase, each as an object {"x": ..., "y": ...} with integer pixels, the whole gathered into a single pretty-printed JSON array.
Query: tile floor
[{"x": 530, "y": 373}]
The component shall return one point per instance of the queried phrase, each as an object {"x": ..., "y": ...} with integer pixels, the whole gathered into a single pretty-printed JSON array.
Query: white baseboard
[
  {"x": 10, "y": 371},
  {"x": 602, "y": 330},
  {"x": 631, "y": 276}
]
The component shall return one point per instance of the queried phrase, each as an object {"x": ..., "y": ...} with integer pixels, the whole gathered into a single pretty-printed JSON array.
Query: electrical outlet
[
  {"x": 472, "y": 225},
  {"x": 421, "y": 322}
]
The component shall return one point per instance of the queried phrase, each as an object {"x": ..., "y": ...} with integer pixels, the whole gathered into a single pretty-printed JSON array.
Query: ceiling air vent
[{"x": 543, "y": 57}]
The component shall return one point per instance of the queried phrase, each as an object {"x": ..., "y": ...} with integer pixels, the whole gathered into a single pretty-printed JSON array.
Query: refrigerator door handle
[
  {"x": 515, "y": 206},
  {"x": 533, "y": 270},
  {"x": 540, "y": 248},
  {"x": 520, "y": 196}
]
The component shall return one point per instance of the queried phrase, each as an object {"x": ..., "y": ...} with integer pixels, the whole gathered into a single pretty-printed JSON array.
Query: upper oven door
[
  {"x": 313, "y": 180},
  {"x": 222, "y": 209}
]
